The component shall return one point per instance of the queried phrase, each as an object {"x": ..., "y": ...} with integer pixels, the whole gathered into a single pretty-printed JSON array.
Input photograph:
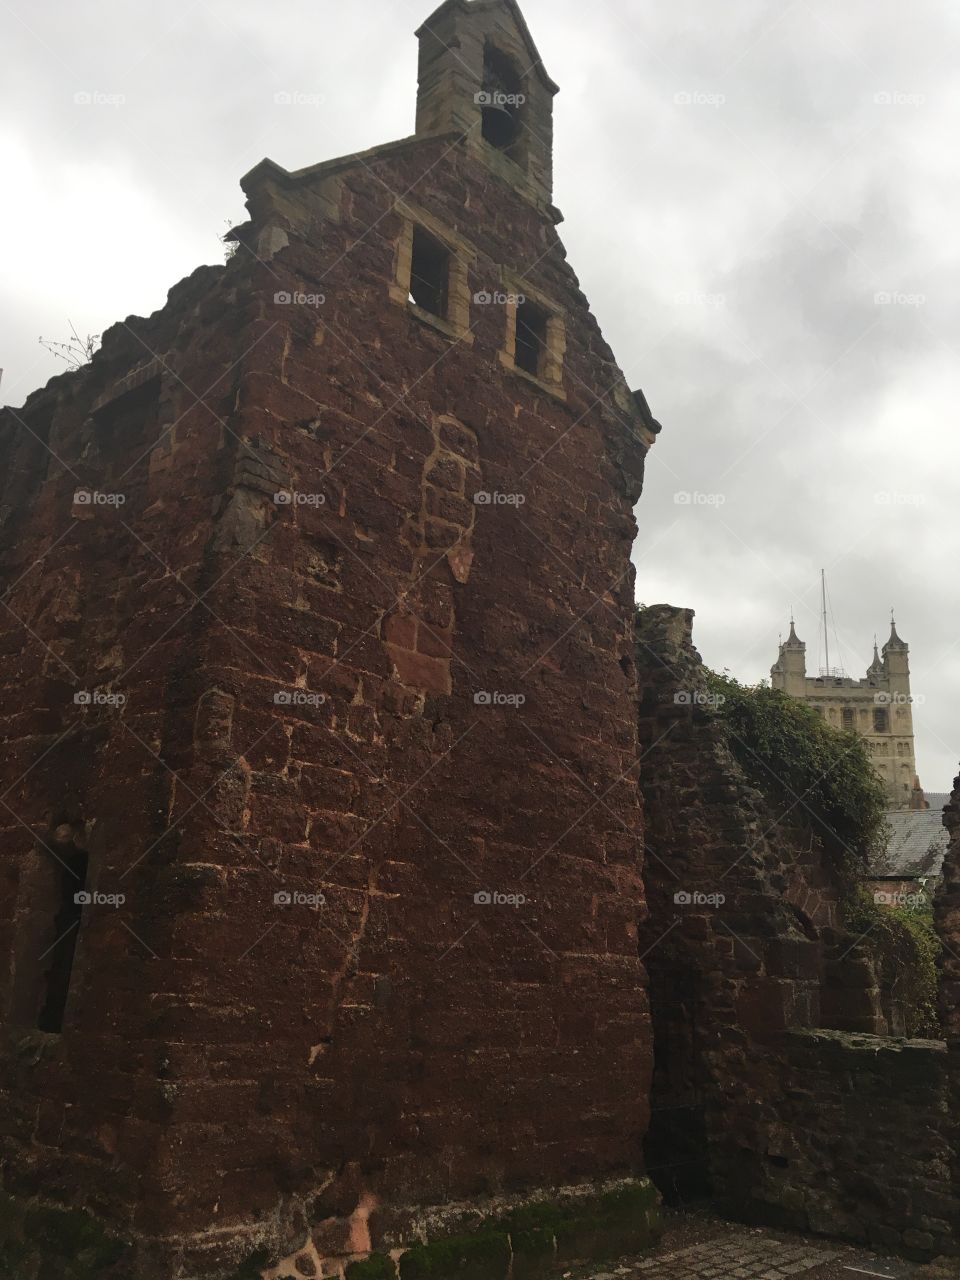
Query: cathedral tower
[{"x": 879, "y": 707}]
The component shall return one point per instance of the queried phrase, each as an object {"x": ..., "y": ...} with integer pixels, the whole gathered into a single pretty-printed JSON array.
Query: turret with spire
[
  {"x": 896, "y": 661},
  {"x": 790, "y": 669},
  {"x": 876, "y": 666}
]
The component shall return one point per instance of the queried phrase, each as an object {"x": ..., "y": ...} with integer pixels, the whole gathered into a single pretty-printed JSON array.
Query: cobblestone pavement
[
  {"x": 740, "y": 1258},
  {"x": 701, "y": 1247}
]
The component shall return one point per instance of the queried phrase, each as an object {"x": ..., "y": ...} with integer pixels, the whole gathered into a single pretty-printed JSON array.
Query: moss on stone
[
  {"x": 532, "y": 1243},
  {"x": 541, "y": 1215},
  {"x": 12, "y": 1255},
  {"x": 70, "y": 1234},
  {"x": 632, "y": 1199},
  {"x": 484, "y": 1256},
  {"x": 252, "y": 1266},
  {"x": 377, "y": 1267}
]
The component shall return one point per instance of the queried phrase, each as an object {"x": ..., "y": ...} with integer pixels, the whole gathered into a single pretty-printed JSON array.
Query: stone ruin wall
[
  {"x": 947, "y": 917},
  {"x": 771, "y": 1089},
  {"x": 234, "y": 1073}
]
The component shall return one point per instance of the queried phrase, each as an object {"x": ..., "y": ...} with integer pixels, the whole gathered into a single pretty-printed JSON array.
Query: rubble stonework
[
  {"x": 947, "y": 917},
  {"x": 769, "y": 1092},
  {"x": 345, "y": 714}
]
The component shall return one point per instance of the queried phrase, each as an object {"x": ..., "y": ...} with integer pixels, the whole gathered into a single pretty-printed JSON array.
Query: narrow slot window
[
  {"x": 57, "y": 961},
  {"x": 531, "y": 338}
]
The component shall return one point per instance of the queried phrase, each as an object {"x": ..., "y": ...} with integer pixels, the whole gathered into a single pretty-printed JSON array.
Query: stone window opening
[
  {"x": 501, "y": 99},
  {"x": 52, "y": 893},
  {"x": 66, "y": 926},
  {"x": 430, "y": 273},
  {"x": 535, "y": 338},
  {"x": 531, "y": 339},
  {"x": 881, "y": 722}
]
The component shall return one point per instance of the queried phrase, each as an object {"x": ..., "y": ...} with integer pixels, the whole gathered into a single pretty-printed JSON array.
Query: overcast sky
[{"x": 761, "y": 203}]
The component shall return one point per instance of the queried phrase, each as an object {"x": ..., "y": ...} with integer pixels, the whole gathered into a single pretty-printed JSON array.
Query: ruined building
[
  {"x": 878, "y": 707},
  {"x": 787, "y": 1084},
  {"x": 321, "y": 828},
  {"x": 326, "y": 805}
]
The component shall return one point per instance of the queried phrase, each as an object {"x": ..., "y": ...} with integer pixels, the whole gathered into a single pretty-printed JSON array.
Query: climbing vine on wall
[
  {"x": 905, "y": 949},
  {"x": 804, "y": 766}
]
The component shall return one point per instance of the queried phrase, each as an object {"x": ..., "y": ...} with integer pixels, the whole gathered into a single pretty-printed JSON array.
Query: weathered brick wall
[
  {"x": 233, "y": 1070},
  {"x": 870, "y": 1148},
  {"x": 97, "y": 603},
  {"x": 722, "y": 932},
  {"x": 752, "y": 1099}
]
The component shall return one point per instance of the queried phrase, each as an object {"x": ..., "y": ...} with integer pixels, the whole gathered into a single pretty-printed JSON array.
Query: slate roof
[
  {"x": 917, "y": 844},
  {"x": 937, "y": 799}
]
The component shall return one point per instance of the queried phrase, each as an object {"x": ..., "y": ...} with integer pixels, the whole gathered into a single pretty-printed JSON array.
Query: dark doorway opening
[{"x": 675, "y": 1148}]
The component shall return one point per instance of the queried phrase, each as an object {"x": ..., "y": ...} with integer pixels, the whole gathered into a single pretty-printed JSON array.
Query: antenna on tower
[{"x": 825, "y": 607}]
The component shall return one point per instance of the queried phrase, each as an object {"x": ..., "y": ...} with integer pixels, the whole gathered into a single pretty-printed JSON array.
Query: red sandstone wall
[
  {"x": 98, "y": 601},
  {"x": 271, "y": 1069}
]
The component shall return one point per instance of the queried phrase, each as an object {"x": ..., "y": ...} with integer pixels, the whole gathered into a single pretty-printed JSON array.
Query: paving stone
[{"x": 743, "y": 1258}]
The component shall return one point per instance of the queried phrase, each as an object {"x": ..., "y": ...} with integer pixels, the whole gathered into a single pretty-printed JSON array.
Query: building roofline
[{"x": 293, "y": 177}]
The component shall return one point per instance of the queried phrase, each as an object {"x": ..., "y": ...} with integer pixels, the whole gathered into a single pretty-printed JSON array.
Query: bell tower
[{"x": 480, "y": 73}]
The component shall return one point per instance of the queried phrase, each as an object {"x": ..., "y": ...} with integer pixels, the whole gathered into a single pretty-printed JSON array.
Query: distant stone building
[
  {"x": 878, "y": 707},
  {"x": 909, "y": 869}
]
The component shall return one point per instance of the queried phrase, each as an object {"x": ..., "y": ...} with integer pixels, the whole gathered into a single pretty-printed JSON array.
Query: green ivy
[
  {"x": 906, "y": 950},
  {"x": 820, "y": 775}
]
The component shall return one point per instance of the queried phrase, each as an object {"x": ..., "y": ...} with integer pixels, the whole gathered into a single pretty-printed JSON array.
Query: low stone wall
[
  {"x": 862, "y": 1148},
  {"x": 519, "y": 1237}
]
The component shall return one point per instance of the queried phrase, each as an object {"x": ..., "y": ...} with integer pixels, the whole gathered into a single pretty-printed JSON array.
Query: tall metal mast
[{"x": 823, "y": 599}]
